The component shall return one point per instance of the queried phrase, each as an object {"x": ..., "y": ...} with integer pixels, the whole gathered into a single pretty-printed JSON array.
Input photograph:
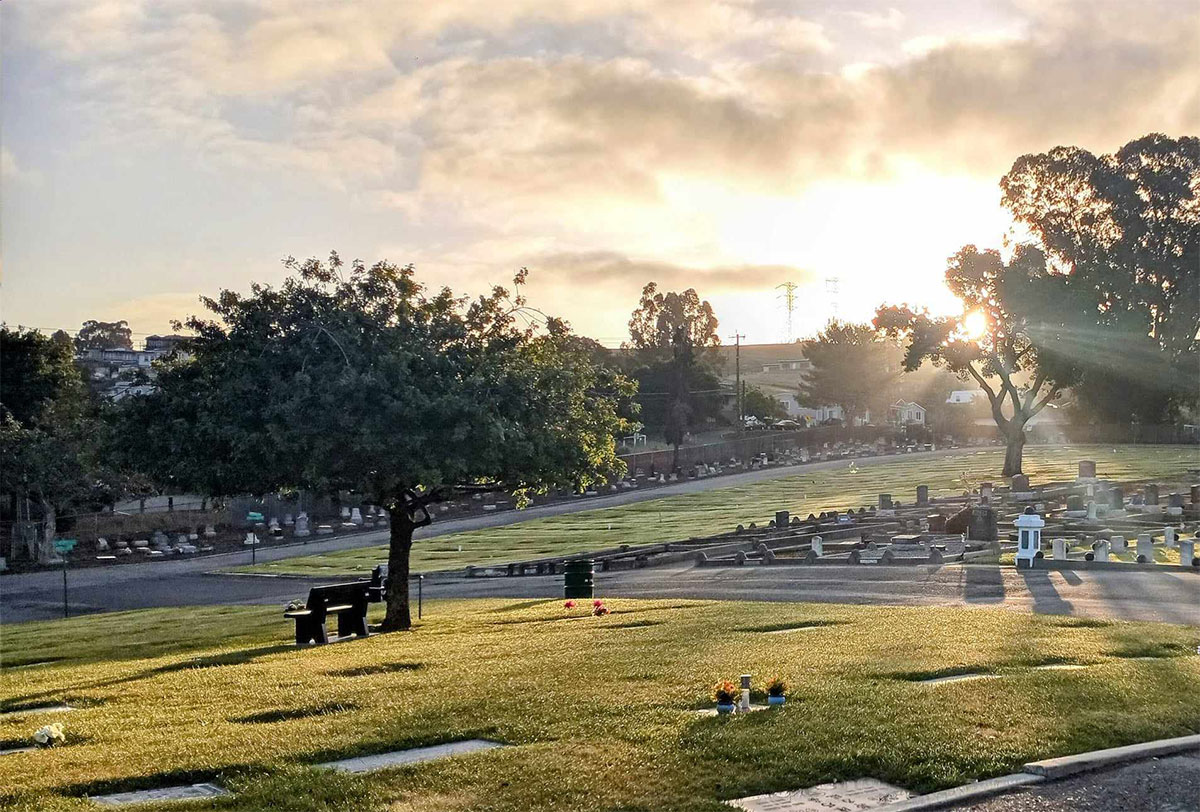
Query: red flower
[
  {"x": 597, "y": 603},
  {"x": 569, "y": 605}
]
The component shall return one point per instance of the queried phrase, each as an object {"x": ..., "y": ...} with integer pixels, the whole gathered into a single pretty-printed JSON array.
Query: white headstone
[
  {"x": 356, "y": 516},
  {"x": 1118, "y": 544},
  {"x": 345, "y": 514},
  {"x": 250, "y": 539},
  {"x": 1169, "y": 537},
  {"x": 1060, "y": 549},
  {"x": 302, "y": 525},
  {"x": 1145, "y": 547},
  {"x": 1187, "y": 551},
  {"x": 209, "y": 531},
  {"x": 818, "y": 545},
  {"x": 1102, "y": 551}
]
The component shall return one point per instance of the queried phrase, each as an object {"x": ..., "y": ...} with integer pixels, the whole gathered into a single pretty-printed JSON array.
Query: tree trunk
[
  {"x": 1015, "y": 439},
  {"x": 398, "y": 615}
]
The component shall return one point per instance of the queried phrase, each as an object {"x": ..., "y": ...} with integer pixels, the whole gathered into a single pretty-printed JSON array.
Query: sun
[{"x": 974, "y": 324}]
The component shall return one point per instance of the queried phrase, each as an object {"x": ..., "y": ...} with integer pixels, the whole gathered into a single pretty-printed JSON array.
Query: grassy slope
[
  {"x": 597, "y": 706},
  {"x": 677, "y": 517}
]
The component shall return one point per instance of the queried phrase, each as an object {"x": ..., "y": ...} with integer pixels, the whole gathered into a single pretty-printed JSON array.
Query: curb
[
  {"x": 1036, "y": 772},
  {"x": 1054, "y": 768},
  {"x": 963, "y": 794}
]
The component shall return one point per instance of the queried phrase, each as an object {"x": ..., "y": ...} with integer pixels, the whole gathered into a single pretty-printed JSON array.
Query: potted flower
[
  {"x": 726, "y": 695},
  {"x": 599, "y": 609},
  {"x": 50, "y": 735},
  {"x": 776, "y": 689}
]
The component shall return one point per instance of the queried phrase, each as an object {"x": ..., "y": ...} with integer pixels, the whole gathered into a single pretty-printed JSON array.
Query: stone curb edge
[{"x": 1036, "y": 772}]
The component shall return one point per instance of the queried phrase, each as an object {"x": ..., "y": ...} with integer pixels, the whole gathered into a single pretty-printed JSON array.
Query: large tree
[
  {"x": 355, "y": 378},
  {"x": 853, "y": 367},
  {"x": 1014, "y": 338},
  {"x": 48, "y": 432},
  {"x": 104, "y": 335},
  {"x": 1127, "y": 226},
  {"x": 674, "y": 333}
]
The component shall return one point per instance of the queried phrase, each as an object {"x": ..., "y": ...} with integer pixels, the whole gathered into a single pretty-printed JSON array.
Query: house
[
  {"x": 797, "y": 364},
  {"x": 963, "y": 396},
  {"x": 906, "y": 412}
]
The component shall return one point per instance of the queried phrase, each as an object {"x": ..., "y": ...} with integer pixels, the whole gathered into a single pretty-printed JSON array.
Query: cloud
[
  {"x": 610, "y": 268},
  {"x": 13, "y": 172},
  {"x": 890, "y": 20}
]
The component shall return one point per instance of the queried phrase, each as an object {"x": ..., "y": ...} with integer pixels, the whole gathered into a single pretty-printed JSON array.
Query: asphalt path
[{"x": 1170, "y": 597}]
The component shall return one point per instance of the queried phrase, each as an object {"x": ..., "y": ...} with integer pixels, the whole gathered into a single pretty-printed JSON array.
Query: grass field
[
  {"x": 677, "y": 517},
  {"x": 598, "y": 709}
]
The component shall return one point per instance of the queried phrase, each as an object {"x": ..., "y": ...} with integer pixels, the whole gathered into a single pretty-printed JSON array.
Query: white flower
[{"x": 49, "y": 735}]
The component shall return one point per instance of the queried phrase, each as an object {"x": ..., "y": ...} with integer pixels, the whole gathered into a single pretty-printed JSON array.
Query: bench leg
[
  {"x": 353, "y": 622},
  {"x": 318, "y": 634}
]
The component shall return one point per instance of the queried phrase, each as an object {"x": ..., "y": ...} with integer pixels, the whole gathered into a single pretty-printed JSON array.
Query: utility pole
[
  {"x": 832, "y": 284},
  {"x": 789, "y": 302},
  {"x": 737, "y": 386}
]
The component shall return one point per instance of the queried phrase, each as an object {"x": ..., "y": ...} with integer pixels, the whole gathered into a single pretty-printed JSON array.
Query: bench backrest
[{"x": 320, "y": 597}]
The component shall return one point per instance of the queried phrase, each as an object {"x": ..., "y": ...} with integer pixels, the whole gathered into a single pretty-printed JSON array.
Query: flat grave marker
[{"x": 843, "y": 796}]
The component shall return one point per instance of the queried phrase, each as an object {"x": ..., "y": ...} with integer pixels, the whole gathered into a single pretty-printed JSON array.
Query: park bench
[{"x": 347, "y": 601}]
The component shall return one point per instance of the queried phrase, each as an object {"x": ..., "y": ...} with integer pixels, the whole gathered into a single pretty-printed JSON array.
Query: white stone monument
[
  {"x": 818, "y": 545},
  {"x": 1145, "y": 547},
  {"x": 1118, "y": 544},
  {"x": 302, "y": 525},
  {"x": 1169, "y": 537},
  {"x": 1029, "y": 536},
  {"x": 1060, "y": 549},
  {"x": 1187, "y": 551},
  {"x": 356, "y": 517},
  {"x": 1102, "y": 551}
]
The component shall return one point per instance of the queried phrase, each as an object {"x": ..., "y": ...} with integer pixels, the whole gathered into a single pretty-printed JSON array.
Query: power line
[{"x": 789, "y": 300}]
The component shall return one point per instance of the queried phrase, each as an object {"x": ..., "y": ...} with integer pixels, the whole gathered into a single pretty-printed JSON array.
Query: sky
[{"x": 151, "y": 152}]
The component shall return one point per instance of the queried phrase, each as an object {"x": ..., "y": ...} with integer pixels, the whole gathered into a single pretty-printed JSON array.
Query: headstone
[
  {"x": 288, "y": 520},
  {"x": 1145, "y": 548},
  {"x": 937, "y": 523},
  {"x": 1060, "y": 549},
  {"x": 818, "y": 545},
  {"x": 1169, "y": 537},
  {"x": 345, "y": 511},
  {"x": 885, "y": 501},
  {"x": 922, "y": 495},
  {"x": 781, "y": 518},
  {"x": 209, "y": 531},
  {"x": 1150, "y": 494},
  {"x": 356, "y": 517},
  {"x": 1118, "y": 544},
  {"x": 1087, "y": 469},
  {"x": 1092, "y": 512},
  {"x": 1175, "y": 504},
  {"x": 302, "y": 526},
  {"x": 981, "y": 525},
  {"x": 1102, "y": 549},
  {"x": 1187, "y": 551},
  {"x": 1196, "y": 494},
  {"x": 1116, "y": 498},
  {"x": 843, "y": 796},
  {"x": 1076, "y": 506},
  {"x": 985, "y": 492},
  {"x": 1020, "y": 487}
]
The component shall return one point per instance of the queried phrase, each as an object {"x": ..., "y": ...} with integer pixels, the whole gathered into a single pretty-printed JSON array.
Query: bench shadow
[{"x": 1046, "y": 600}]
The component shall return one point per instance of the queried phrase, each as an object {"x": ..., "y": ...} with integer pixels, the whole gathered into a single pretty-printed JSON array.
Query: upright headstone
[
  {"x": 1118, "y": 544},
  {"x": 210, "y": 531},
  {"x": 1187, "y": 552},
  {"x": 1087, "y": 469},
  {"x": 818, "y": 545},
  {"x": 1196, "y": 494},
  {"x": 1102, "y": 550},
  {"x": 288, "y": 520},
  {"x": 985, "y": 492},
  {"x": 1150, "y": 494},
  {"x": 922, "y": 495},
  {"x": 1116, "y": 498},
  {"x": 1092, "y": 512},
  {"x": 1169, "y": 537},
  {"x": 356, "y": 516},
  {"x": 1060, "y": 549},
  {"x": 781, "y": 518},
  {"x": 1020, "y": 487},
  {"x": 1175, "y": 504},
  {"x": 302, "y": 525},
  {"x": 1145, "y": 548},
  {"x": 1075, "y": 504},
  {"x": 982, "y": 524}
]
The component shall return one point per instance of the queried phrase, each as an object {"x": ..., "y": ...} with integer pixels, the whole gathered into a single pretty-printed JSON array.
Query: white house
[
  {"x": 903, "y": 412},
  {"x": 963, "y": 396}
]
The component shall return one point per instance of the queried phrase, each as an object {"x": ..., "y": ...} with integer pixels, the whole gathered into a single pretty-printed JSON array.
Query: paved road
[
  {"x": 1152, "y": 596},
  {"x": 1169, "y": 784},
  {"x": 39, "y": 595}
]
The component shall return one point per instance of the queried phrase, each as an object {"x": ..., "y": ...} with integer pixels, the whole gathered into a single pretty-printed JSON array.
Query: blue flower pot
[
  {"x": 776, "y": 700},
  {"x": 723, "y": 709}
]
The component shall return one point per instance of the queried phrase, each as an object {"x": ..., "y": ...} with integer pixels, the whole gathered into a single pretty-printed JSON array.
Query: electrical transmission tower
[
  {"x": 831, "y": 290},
  {"x": 789, "y": 303}
]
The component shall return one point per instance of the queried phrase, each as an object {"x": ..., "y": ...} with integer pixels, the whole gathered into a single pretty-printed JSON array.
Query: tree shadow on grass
[
  {"x": 379, "y": 668},
  {"x": 288, "y": 714}
]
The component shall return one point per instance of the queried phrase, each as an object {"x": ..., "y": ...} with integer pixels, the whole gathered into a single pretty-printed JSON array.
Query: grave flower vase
[
  {"x": 724, "y": 708},
  {"x": 772, "y": 699}
]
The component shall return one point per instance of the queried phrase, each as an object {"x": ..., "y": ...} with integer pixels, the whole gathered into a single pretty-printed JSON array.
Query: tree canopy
[
  {"x": 349, "y": 377},
  {"x": 852, "y": 367},
  {"x": 1126, "y": 227},
  {"x": 104, "y": 335},
  {"x": 1020, "y": 353}
]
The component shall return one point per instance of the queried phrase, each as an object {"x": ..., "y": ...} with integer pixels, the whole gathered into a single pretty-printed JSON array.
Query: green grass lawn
[
  {"x": 674, "y": 518},
  {"x": 597, "y": 709}
]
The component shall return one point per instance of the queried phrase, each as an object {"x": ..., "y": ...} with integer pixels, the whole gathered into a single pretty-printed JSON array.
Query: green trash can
[{"x": 578, "y": 578}]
